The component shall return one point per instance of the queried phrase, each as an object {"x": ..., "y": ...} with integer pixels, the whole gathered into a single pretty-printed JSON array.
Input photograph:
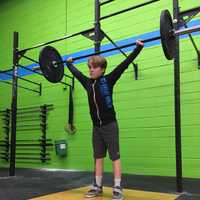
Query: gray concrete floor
[{"x": 29, "y": 183}]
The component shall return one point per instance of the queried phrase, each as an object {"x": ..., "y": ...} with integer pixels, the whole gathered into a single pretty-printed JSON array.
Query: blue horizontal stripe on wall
[{"x": 23, "y": 72}]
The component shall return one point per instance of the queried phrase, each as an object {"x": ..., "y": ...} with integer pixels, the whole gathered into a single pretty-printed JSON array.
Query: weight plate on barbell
[
  {"x": 166, "y": 34},
  {"x": 51, "y": 64}
]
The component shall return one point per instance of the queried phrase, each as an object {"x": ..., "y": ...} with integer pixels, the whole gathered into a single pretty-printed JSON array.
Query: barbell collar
[{"x": 187, "y": 30}]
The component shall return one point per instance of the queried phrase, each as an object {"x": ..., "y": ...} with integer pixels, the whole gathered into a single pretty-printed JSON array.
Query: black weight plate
[
  {"x": 166, "y": 34},
  {"x": 47, "y": 59}
]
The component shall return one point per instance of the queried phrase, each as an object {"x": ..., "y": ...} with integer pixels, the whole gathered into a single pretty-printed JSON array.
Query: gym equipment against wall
[
  {"x": 69, "y": 126},
  {"x": 40, "y": 144}
]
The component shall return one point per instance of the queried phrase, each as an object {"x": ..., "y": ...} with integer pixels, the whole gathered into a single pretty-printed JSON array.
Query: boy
[{"x": 105, "y": 136}]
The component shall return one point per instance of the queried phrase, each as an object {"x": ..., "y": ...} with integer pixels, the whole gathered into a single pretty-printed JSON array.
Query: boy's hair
[{"x": 97, "y": 61}]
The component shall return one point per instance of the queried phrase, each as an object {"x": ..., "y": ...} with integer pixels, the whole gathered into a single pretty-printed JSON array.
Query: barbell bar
[{"x": 52, "y": 65}]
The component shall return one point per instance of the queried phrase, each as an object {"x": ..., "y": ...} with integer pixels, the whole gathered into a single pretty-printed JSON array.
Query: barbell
[{"x": 52, "y": 65}]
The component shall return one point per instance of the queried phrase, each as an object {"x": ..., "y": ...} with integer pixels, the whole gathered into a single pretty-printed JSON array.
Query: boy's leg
[
  {"x": 117, "y": 189},
  {"x": 99, "y": 171},
  {"x": 99, "y": 166},
  {"x": 111, "y": 137},
  {"x": 96, "y": 189},
  {"x": 99, "y": 149},
  {"x": 117, "y": 172}
]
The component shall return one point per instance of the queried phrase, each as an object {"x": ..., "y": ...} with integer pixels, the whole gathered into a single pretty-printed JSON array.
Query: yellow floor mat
[{"x": 78, "y": 194}]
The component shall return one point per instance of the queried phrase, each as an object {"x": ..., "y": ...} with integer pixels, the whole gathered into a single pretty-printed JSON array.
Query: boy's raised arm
[
  {"x": 117, "y": 72},
  {"x": 79, "y": 75}
]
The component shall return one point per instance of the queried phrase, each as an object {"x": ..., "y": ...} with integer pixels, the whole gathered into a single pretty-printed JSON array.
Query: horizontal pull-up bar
[
  {"x": 19, "y": 65},
  {"x": 128, "y": 9},
  {"x": 105, "y": 2},
  {"x": 7, "y": 73},
  {"x": 56, "y": 40}
]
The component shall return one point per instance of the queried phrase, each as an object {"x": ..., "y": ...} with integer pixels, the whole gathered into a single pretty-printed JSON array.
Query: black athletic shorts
[{"x": 106, "y": 138}]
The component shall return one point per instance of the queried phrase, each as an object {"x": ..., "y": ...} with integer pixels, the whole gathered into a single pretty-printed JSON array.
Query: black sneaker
[
  {"x": 95, "y": 191},
  {"x": 117, "y": 193}
]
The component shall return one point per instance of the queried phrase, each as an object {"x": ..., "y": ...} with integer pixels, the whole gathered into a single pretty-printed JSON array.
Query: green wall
[{"x": 145, "y": 108}]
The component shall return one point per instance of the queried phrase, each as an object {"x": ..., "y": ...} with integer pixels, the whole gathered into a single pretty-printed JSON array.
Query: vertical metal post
[
  {"x": 73, "y": 82},
  {"x": 97, "y": 27},
  {"x": 7, "y": 133},
  {"x": 43, "y": 110},
  {"x": 97, "y": 47},
  {"x": 40, "y": 87},
  {"x": 179, "y": 184},
  {"x": 14, "y": 105}
]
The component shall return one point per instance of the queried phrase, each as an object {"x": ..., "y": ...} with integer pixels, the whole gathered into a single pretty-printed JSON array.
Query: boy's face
[{"x": 95, "y": 72}]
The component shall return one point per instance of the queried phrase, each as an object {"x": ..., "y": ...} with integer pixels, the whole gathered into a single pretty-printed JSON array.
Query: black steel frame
[
  {"x": 23, "y": 51},
  {"x": 177, "y": 109},
  {"x": 17, "y": 54},
  {"x": 14, "y": 105},
  {"x": 195, "y": 46},
  {"x": 39, "y": 91},
  {"x": 6, "y": 129},
  {"x": 99, "y": 31},
  {"x": 34, "y": 71},
  {"x": 26, "y": 88},
  {"x": 105, "y": 2},
  {"x": 178, "y": 17},
  {"x": 135, "y": 66},
  {"x": 128, "y": 9},
  {"x": 190, "y": 13},
  {"x": 43, "y": 143}
]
